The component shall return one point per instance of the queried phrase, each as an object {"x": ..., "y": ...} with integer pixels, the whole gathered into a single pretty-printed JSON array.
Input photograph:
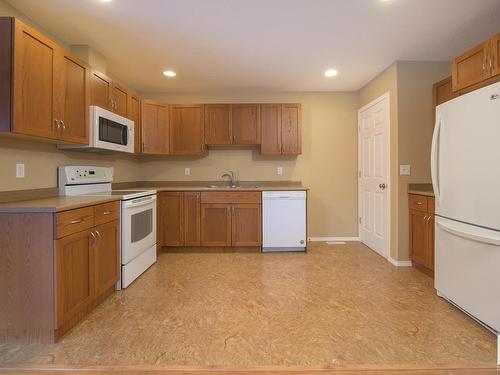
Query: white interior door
[{"x": 373, "y": 174}]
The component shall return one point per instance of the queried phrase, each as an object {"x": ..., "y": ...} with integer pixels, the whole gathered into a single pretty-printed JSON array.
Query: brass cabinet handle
[
  {"x": 63, "y": 125},
  {"x": 93, "y": 237},
  {"x": 105, "y": 213},
  {"x": 98, "y": 234},
  {"x": 420, "y": 203},
  {"x": 57, "y": 124},
  {"x": 77, "y": 221}
]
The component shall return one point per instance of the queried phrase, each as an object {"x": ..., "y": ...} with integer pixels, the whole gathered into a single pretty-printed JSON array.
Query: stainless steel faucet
[{"x": 232, "y": 178}]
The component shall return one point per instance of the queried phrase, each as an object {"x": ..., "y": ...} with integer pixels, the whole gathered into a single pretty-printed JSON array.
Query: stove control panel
[{"x": 81, "y": 174}]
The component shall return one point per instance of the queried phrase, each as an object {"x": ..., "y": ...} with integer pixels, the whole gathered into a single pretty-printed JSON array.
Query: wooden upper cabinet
[
  {"x": 33, "y": 83},
  {"x": 155, "y": 130},
  {"x": 476, "y": 65},
  {"x": 246, "y": 124},
  {"x": 495, "y": 55},
  {"x": 134, "y": 113},
  {"x": 218, "y": 124},
  {"x": 186, "y": 129},
  {"x": 71, "y": 98},
  {"x": 291, "y": 138},
  {"x": 74, "y": 278},
  {"x": 171, "y": 209},
  {"x": 270, "y": 115},
  {"x": 246, "y": 225},
  {"x": 107, "y": 256},
  {"x": 192, "y": 218},
  {"x": 119, "y": 99},
  {"x": 101, "y": 90},
  {"x": 442, "y": 91}
]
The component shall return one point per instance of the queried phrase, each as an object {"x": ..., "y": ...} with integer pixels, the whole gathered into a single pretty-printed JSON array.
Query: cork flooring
[{"x": 338, "y": 306}]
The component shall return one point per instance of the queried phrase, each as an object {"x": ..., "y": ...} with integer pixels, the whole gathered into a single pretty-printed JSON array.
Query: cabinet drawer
[
  {"x": 73, "y": 221},
  {"x": 231, "y": 197},
  {"x": 104, "y": 213},
  {"x": 417, "y": 202}
]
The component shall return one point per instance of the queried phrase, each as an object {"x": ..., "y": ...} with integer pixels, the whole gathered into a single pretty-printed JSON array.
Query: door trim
[{"x": 386, "y": 97}]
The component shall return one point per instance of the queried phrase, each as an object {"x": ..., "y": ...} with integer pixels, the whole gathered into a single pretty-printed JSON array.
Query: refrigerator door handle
[
  {"x": 457, "y": 229},
  {"x": 434, "y": 157}
]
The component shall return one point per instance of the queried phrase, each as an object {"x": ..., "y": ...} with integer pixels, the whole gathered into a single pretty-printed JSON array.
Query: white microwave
[{"x": 107, "y": 131}]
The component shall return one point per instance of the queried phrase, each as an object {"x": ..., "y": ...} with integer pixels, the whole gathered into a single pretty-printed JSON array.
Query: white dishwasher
[{"x": 284, "y": 220}]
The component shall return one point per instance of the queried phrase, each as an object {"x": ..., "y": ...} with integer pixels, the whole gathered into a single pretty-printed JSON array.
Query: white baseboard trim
[
  {"x": 399, "y": 263},
  {"x": 324, "y": 239}
]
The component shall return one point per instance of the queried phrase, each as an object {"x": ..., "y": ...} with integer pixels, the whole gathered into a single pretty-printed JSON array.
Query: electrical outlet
[
  {"x": 187, "y": 171},
  {"x": 405, "y": 170},
  {"x": 20, "y": 170},
  {"x": 279, "y": 171}
]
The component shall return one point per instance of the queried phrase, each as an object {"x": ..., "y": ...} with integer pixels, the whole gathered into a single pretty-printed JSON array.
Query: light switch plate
[
  {"x": 187, "y": 171},
  {"x": 279, "y": 171},
  {"x": 20, "y": 170},
  {"x": 405, "y": 170}
]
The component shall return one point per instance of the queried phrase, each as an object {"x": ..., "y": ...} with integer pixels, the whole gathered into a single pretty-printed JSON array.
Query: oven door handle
[{"x": 138, "y": 202}]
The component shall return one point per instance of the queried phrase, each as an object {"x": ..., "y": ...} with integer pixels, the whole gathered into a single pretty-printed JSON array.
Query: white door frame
[{"x": 386, "y": 97}]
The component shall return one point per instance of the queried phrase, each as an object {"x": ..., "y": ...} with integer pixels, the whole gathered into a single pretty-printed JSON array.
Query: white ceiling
[{"x": 279, "y": 45}]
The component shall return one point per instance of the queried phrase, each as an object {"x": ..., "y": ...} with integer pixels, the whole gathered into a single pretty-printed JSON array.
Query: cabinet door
[
  {"x": 291, "y": 136},
  {"x": 430, "y": 242},
  {"x": 107, "y": 256},
  {"x": 186, "y": 129},
  {"x": 215, "y": 224},
  {"x": 33, "y": 89},
  {"x": 192, "y": 218},
  {"x": 72, "y": 98},
  {"x": 155, "y": 132},
  {"x": 470, "y": 67},
  {"x": 246, "y": 225},
  {"x": 270, "y": 115},
  {"x": 119, "y": 96},
  {"x": 101, "y": 88},
  {"x": 246, "y": 124},
  {"x": 419, "y": 237},
  {"x": 172, "y": 218},
  {"x": 218, "y": 124},
  {"x": 495, "y": 55},
  {"x": 74, "y": 275},
  {"x": 134, "y": 113},
  {"x": 443, "y": 92}
]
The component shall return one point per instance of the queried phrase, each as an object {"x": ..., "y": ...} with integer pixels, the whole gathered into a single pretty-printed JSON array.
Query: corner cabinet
[
  {"x": 44, "y": 90},
  {"x": 72, "y": 259},
  {"x": 477, "y": 65},
  {"x": 422, "y": 232},
  {"x": 281, "y": 129}
]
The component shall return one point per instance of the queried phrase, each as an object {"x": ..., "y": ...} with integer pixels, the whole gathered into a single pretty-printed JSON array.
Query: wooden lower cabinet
[
  {"x": 74, "y": 274},
  {"x": 246, "y": 225},
  {"x": 210, "y": 218},
  {"x": 422, "y": 232},
  {"x": 72, "y": 263},
  {"x": 107, "y": 257},
  {"x": 216, "y": 224}
]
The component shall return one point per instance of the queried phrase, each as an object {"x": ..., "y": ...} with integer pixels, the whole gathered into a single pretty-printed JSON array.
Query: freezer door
[
  {"x": 467, "y": 268},
  {"x": 466, "y": 157}
]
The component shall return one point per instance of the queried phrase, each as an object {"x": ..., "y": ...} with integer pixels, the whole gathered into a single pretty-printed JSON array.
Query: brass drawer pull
[
  {"x": 420, "y": 203},
  {"x": 77, "y": 221},
  {"x": 107, "y": 213}
]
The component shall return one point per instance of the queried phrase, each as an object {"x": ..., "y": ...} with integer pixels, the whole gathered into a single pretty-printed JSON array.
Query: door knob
[{"x": 382, "y": 186}]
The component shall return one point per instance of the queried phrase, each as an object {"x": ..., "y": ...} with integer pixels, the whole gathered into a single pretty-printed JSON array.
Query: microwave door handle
[{"x": 125, "y": 135}]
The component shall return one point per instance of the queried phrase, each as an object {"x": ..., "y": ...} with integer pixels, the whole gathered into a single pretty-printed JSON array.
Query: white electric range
[{"x": 137, "y": 215}]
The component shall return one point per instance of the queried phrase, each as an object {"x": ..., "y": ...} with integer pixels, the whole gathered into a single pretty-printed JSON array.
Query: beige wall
[
  {"x": 415, "y": 126},
  {"x": 387, "y": 81},
  {"x": 327, "y": 165},
  {"x": 42, "y": 159}
]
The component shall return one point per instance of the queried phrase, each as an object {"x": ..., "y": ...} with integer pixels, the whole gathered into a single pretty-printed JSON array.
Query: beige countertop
[
  {"x": 421, "y": 189},
  {"x": 56, "y": 204}
]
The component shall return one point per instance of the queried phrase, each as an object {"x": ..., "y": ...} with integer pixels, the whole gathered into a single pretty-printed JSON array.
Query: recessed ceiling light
[
  {"x": 331, "y": 73},
  {"x": 105, "y": 1},
  {"x": 169, "y": 73}
]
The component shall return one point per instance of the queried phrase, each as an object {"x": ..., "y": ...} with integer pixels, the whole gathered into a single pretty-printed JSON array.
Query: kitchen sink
[{"x": 232, "y": 187}]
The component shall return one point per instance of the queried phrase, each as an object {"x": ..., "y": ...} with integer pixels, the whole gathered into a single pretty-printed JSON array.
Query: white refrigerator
[{"x": 465, "y": 165}]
